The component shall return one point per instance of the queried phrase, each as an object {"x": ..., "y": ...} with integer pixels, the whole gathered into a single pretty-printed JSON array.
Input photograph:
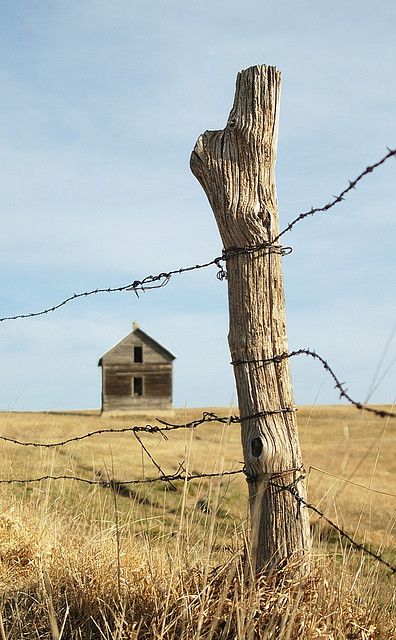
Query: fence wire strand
[
  {"x": 163, "y": 426},
  {"x": 179, "y": 475},
  {"x": 347, "y": 481},
  {"x": 381, "y": 413},
  {"x": 182, "y": 475},
  {"x": 162, "y": 279},
  {"x": 359, "y": 546},
  {"x": 341, "y": 196}
]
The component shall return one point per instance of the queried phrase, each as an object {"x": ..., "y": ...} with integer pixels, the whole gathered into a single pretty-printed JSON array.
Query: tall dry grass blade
[
  {"x": 64, "y": 621},
  {"x": 50, "y": 606},
  {"x": 209, "y": 544},
  {"x": 374, "y": 383},
  {"x": 178, "y": 546},
  {"x": 99, "y": 629},
  {"x": 3, "y": 634},
  {"x": 117, "y": 522}
]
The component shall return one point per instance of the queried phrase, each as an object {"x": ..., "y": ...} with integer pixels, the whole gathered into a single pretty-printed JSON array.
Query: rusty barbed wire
[
  {"x": 340, "y": 197},
  {"x": 277, "y": 359},
  {"x": 178, "y": 475},
  {"x": 292, "y": 489},
  {"x": 162, "y": 279},
  {"x": 137, "y": 285},
  {"x": 182, "y": 475},
  {"x": 162, "y": 428}
]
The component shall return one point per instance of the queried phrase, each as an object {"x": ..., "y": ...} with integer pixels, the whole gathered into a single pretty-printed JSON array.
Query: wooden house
[{"x": 136, "y": 374}]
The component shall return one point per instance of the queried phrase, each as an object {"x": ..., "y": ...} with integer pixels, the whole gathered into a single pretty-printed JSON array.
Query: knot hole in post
[{"x": 257, "y": 447}]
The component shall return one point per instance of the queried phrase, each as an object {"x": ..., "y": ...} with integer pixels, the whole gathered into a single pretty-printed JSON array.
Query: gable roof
[
  {"x": 146, "y": 339},
  {"x": 153, "y": 344}
]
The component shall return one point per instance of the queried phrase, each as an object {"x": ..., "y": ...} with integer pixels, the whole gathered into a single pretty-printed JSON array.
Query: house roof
[{"x": 146, "y": 339}]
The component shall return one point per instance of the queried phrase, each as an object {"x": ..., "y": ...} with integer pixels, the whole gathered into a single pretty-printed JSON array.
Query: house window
[
  {"x": 137, "y": 387},
  {"x": 138, "y": 354}
]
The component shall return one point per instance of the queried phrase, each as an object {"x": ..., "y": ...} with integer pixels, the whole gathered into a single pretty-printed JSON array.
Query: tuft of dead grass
[
  {"x": 329, "y": 604},
  {"x": 59, "y": 582}
]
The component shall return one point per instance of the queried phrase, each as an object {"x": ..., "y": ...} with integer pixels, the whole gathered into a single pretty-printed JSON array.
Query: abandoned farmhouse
[{"x": 137, "y": 374}]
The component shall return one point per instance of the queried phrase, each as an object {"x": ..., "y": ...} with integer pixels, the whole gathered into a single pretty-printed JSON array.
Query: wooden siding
[
  {"x": 117, "y": 383},
  {"x": 157, "y": 385}
]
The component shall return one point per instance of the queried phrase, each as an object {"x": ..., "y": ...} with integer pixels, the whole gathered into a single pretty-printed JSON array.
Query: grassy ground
[{"x": 86, "y": 562}]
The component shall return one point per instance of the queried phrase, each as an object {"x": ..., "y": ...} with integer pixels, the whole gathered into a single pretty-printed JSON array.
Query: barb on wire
[
  {"x": 149, "y": 282},
  {"x": 291, "y": 488},
  {"x": 161, "y": 279},
  {"x": 162, "y": 428},
  {"x": 178, "y": 475},
  {"x": 337, "y": 199},
  {"x": 47, "y": 445},
  {"x": 339, "y": 385}
]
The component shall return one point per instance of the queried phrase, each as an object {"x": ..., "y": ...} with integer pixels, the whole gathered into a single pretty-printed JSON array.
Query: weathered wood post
[{"x": 235, "y": 167}]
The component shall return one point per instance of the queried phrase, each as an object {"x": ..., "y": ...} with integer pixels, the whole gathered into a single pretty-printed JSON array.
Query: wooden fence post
[{"x": 235, "y": 167}]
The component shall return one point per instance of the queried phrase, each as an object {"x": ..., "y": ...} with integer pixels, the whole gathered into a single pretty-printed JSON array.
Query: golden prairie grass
[{"x": 80, "y": 562}]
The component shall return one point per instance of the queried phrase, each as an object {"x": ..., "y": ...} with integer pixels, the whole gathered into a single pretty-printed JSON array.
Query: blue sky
[{"x": 102, "y": 102}]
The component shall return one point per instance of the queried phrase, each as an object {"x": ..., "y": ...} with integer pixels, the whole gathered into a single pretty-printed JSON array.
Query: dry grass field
[{"x": 160, "y": 561}]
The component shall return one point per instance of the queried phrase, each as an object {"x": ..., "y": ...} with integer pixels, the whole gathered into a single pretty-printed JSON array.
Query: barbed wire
[
  {"x": 207, "y": 416},
  {"x": 161, "y": 279},
  {"x": 151, "y": 457},
  {"x": 162, "y": 428},
  {"x": 292, "y": 488},
  {"x": 340, "y": 197},
  {"x": 182, "y": 475},
  {"x": 382, "y": 413},
  {"x": 135, "y": 286}
]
